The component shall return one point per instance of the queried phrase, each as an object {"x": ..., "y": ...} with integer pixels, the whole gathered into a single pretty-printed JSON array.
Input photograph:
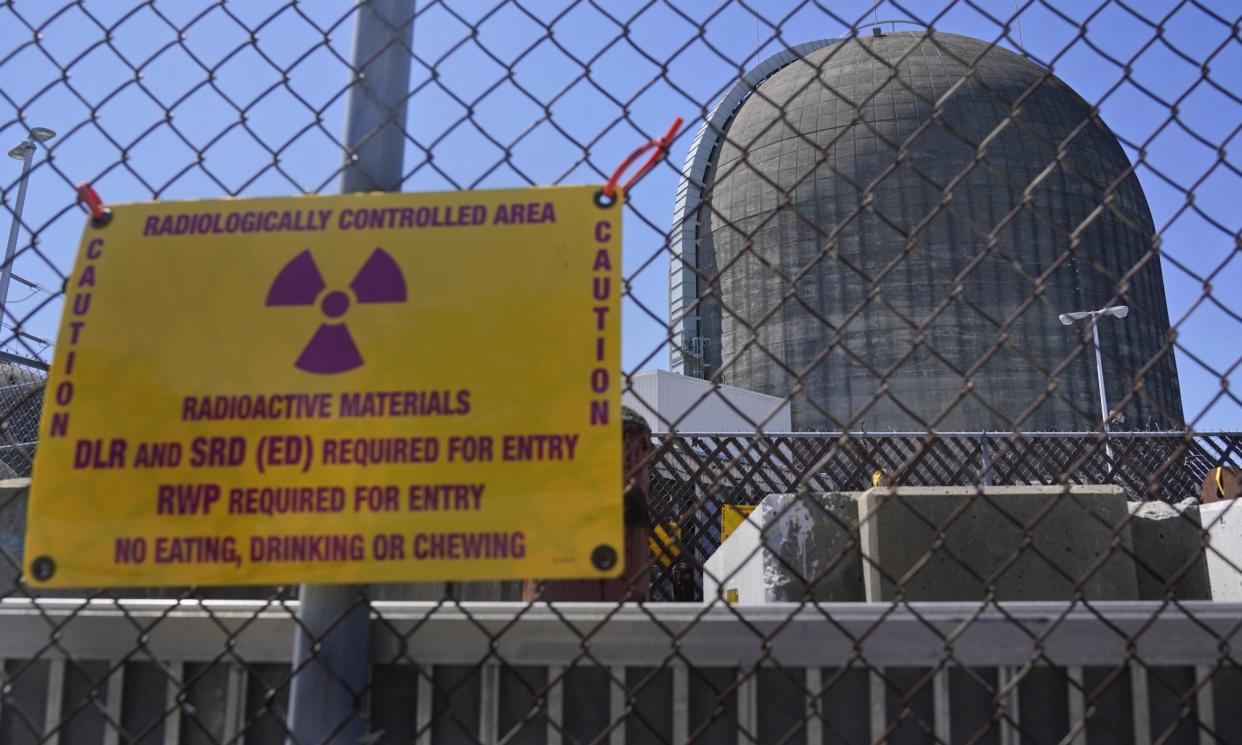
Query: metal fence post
[
  {"x": 985, "y": 458},
  {"x": 332, "y": 644},
  {"x": 15, "y": 230}
]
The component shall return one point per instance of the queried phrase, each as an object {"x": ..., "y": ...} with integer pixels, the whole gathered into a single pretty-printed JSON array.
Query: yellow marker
[
  {"x": 358, "y": 388},
  {"x": 731, "y": 596},
  {"x": 876, "y": 476},
  {"x": 665, "y": 543}
]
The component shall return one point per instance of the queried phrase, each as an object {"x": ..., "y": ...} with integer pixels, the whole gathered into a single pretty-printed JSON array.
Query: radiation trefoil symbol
[{"x": 332, "y": 350}]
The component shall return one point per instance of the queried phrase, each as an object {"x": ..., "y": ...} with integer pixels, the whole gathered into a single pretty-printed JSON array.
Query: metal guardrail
[{"x": 177, "y": 672}]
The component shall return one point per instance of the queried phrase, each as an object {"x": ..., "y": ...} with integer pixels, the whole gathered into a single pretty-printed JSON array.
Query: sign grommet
[
  {"x": 42, "y": 568},
  {"x": 604, "y": 557}
]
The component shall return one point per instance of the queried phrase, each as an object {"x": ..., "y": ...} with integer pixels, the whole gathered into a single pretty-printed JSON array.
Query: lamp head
[
  {"x": 1067, "y": 319},
  {"x": 1117, "y": 311},
  {"x": 21, "y": 150},
  {"x": 42, "y": 134}
]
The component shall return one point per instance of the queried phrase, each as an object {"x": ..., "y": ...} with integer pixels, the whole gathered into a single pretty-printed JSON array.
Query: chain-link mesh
[
  {"x": 940, "y": 488},
  {"x": 21, "y": 398}
]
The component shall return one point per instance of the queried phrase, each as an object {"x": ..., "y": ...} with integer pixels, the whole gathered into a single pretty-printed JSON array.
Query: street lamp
[
  {"x": 23, "y": 151},
  {"x": 1069, "y": 319}
]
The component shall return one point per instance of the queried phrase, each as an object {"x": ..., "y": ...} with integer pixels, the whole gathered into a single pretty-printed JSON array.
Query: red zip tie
[
  {"x": 100, "y": 215},
  {"x": 661, "y": 149}
]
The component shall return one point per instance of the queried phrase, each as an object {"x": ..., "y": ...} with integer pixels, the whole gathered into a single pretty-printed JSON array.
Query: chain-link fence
[
  {"x": 951, "y": 312},
  {"x": 22, "y": 401}
]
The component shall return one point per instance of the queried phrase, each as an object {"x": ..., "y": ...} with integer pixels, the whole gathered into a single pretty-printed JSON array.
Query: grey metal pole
[
  {"x": 327, "y": 691},
  {"x": 1099, "y": 374},
  {"x": 7, "y": 271},
  {"x": 375, "y": 130},
  {"x": 985, "y": 455}
]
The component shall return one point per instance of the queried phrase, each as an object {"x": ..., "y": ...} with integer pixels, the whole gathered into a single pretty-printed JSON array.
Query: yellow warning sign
[
  {"x": 731, "y": 518},
  {"x": 370, "y": 387}
]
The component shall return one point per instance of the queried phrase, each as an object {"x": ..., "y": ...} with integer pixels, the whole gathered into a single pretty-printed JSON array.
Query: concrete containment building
[{"x": 897, "y": 221}]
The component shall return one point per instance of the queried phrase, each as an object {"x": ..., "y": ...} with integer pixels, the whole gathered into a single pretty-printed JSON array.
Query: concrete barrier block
[
  {"x": 956, "y": 543},
  {"x": 791, "y": 548},
  {"x": 1168, "y": 546},
  {"x": 13, "y": 498},
  {"x": 1223, "y": 521}
]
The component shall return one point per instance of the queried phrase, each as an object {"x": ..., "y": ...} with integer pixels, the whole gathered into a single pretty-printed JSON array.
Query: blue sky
[{"x": 151, "y": 86}]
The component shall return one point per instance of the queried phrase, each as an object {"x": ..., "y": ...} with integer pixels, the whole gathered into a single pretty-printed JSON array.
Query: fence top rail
[
  {"x": 1001, "y": 434},
  {"x": 1098, "y": 633},
  {"x": 491, "y": 609}
]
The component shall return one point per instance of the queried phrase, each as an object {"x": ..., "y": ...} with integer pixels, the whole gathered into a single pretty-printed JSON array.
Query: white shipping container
[{"x": 670, "y": 401}]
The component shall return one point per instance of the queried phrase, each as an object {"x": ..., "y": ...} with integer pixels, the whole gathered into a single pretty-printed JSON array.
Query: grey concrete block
[
  {"x": 792, "y": 548},
  {"x": 1168, "y": 544},
  {"x": 957, "y": 543},
  {"x": 1223, "y": 521},
  {"x": 12, "y": 531}
]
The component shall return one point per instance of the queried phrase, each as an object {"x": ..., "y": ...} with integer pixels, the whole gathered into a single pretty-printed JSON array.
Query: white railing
[{"x": 1024, "y": 662}]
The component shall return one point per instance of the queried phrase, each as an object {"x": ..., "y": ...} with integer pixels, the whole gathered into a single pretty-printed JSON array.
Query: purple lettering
[
  {"x": 60, "y": 424},
  {"x": 388, "y": 546},
  {"x": 469, "y": 448},
  {"x": 286, "y": 499},
  {"x": 376, "y": 498},
  {"x": 444, "y": 497},
  {"x": 90, "y": 454},
  {"x": 129, "y": 551},
  {"x": 195, "y": 549},
  {"x": 454, "y": 546},
  {"x": 602, "y": 261},
  {"x": 186, "y": 499},
  {"x": 538, "y": 447},
  {"x": 307, "y": 548},
  {"x": 211, "y": 452},
  {"x": 164, "y": 499},
  {"x": 599, "y": 380},
  {"x": 157, "y": 455}
]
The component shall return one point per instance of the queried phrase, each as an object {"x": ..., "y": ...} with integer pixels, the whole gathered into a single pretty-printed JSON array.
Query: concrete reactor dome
[{"x": 894, "y": 251}]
